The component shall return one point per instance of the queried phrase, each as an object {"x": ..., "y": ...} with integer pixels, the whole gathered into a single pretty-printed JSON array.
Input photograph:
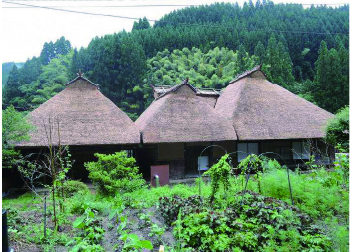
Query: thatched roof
[
  {"x": 85, "y": 117},
  {"x": 259, "y": 110},
  {"x": 180, "y": 115},
  {"x": 160, "y": 90}
]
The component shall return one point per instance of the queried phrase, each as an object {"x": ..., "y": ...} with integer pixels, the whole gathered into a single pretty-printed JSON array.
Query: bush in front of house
[
  {"x": 115, "y": 173},
  {"x": 337, "y": 131},
  {"x": 72, "y": 187}
]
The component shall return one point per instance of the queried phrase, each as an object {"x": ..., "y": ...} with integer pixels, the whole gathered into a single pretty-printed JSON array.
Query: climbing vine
[
  {"x": 252, "y": 164},
  {"x": 219, "y": 173}
]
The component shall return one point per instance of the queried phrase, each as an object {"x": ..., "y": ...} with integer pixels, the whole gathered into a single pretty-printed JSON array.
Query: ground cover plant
[{"x": 260, "y": 218}]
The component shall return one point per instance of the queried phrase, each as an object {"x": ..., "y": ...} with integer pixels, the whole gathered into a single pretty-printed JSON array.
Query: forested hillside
[
  {"x": 304, "y": 50},
  {"x": 6, "y": 69}
]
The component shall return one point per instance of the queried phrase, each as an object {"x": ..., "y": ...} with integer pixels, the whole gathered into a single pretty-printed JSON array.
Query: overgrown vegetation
[
  {"x": 15, "y": 128},
  {"x": 337, "y": 132},
  {"x": 236, "y": 220},
  {"x": 252, "y": 223},
  {"x": 73, "y": 187}
]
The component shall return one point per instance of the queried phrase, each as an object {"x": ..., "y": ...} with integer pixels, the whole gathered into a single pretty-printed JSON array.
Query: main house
[
  {"x": 186, "y": 128},
  {"x": 81, "y": 117}
]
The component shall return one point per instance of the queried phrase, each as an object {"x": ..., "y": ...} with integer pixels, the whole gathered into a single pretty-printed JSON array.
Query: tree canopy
[
  {"x": 15, "y": 128},
  {"x": 302, "y": 49}
]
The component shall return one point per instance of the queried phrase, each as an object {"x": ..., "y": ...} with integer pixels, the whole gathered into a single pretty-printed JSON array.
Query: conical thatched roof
[
  {"x": 180, "y": 115},
  {"x": 85, "y": 117},
  {"x": 259, "y": 110}
]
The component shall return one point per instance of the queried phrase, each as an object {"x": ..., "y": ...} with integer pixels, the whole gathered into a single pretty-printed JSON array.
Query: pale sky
[{"x": 25, "y": 30}]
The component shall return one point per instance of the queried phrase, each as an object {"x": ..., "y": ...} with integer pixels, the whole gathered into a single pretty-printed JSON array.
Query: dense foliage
[
  {"x": 115, "y": 173},
  {"x": 252, "y": 223},
  {"x": 170, "y": 206},
  {"x": 286, "y": 39},
  {"x": 337, "y": 131},
  {"x": 212, "y": 69},
  {"x": 72, "y": 187},
  {"x": 51, "y": 81},
  {"x": 15, "y": 128}
]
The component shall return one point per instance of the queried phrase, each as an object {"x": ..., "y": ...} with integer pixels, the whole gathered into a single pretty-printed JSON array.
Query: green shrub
[
  {"x": 115, "y": 173},
  {"x": 72, "y": 187},
  {"x": 337, "y": 131}
]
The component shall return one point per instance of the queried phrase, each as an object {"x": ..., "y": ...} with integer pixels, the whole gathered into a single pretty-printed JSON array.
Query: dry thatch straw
[
  {"x": 259, "y": 110},
  {"x": 85, "y": 116},
  {"x": 180, "y": 115}
]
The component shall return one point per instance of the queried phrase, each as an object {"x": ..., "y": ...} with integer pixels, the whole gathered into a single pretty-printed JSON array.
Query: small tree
[
  {"x": 55, "y": 164},
  {"x": 115, "y": 173}
]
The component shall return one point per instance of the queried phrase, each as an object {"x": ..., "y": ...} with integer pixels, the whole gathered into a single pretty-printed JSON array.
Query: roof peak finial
[
  {"x": 80, "y": 74},
  {"x": 185, "y": 81}
]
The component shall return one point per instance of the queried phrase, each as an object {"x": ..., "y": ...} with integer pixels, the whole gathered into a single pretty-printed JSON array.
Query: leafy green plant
[
  {"x": 170, "y": 206},
  {"x": 79, "y": 207},
  {"x": 156, "y": 232},
  {"x": 92, "y": 232},
  {"x": 72, "y": 187},
  {"x": 219, "y": 173},
  {"x": 115, "y": 173},
  {"x": 253, "y": 164},
  {"x": 342, "y": 165},
  {"x": 339, "y": 233},
  {"x": 132, "y": 242},
  {"x": 146, "y": 220},
  {"x": 252, "y": 223}
]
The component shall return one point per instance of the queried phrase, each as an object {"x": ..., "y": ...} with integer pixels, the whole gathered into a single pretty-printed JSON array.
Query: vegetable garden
[{"x": 226, "y": 214}]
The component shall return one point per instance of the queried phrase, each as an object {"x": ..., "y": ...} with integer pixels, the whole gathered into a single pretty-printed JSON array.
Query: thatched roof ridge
[
  {"x": 176, "y": 87},
  {"x": 163, "y": 90},
  {"x": 85, "y": 117},
  {"x": 81, "y": 77},
  {"x": 247, "y": 73},
  {"x": 182, "y": 116},
  {"x": 260, "y": 110}
]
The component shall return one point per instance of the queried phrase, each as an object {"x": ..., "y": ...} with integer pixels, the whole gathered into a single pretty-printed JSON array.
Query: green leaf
[
  {"x": 79, "y": 222},
  {"x": 91, "y": 214},
  {"x": 113, "y": 213},
  {"x": 146, "y": 244},
  {"x": 134, "y": 238}
]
